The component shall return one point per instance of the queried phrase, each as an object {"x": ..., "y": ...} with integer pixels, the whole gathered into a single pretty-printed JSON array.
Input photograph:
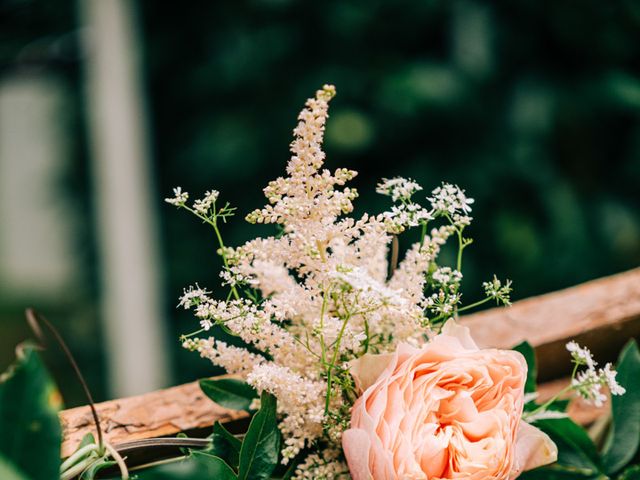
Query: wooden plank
[
  {"x": 602, "y": 314},
  {"x": 156, "y": 414}
]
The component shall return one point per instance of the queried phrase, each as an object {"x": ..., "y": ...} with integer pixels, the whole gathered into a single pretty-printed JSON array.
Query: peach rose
[{"x": 445, "y": 410}]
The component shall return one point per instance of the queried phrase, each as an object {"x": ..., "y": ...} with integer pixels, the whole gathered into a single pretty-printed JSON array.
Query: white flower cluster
[
  {"x": 203, "y": 205},
  {"x": 320, "y": 293},
  {"x": 498, "y": 291},
  {"x": 179, "y": 197},
  {"x": 450, "y": 199},
  {"x": 398, "y": 188},
  {"x": 588, "y": 383},
  {"x": 325, "y": 465}
]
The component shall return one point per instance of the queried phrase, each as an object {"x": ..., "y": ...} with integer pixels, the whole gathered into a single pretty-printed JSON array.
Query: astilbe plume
[{"x": 317, "y": 294}]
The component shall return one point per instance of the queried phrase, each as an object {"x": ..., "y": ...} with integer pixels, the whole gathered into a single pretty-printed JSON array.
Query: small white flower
[
  {"x": 581, "y": 355},
  {"x": 398, "y": 188},
  {"x": 203, "y": 204},
  {"x": 193, "y": 296},
  {"x": 609, "y": 376},
  {"x": 179, "y": 197},
  {"x": 450, "y": 199},
  {"x": 588, "y": 385},
  {"x": 446, "y": 276},
  {"x": 496, "y": 290}
]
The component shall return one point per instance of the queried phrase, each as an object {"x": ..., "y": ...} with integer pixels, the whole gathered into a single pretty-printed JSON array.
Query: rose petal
[
  {"x": 368, "y": 368},
  {"x": 533, "y": 449},
  {"x": 356, "y": 445},
  {"x": 463, "y": 334}
]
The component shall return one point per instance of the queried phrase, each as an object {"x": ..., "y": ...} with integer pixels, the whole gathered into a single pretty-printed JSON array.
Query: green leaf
[
  {"x": 529, "y": 355},
  {"x": 556, "y": 472},
  {"x": 229, "y": 393},
  {"x": 225, "y": 445},
  {"x": 261, "y": 445},
  {"x": 624, "y": 436},
  {"x": 91, "y": 472},
  {"x": 576, "y": 451},
  {"x": 198, "y": 466},
  {"x": 88, "y": 439},
  {"x": 29, "y": 425},
  {"x": 8, "y": 471},
  {"x": 631, "y": 473}
]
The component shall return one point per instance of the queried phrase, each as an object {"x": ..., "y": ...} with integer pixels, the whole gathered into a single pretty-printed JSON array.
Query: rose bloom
[{"x": 445, "y": 410}]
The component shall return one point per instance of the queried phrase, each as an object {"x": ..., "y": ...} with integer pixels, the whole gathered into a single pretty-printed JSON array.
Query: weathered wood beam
[
  {"x": 602, "y": 314},
  {"x": 156, "y": 414}
]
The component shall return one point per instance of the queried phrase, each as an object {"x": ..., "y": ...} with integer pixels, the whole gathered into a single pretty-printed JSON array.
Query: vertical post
[{"x": 127, "y": 230}]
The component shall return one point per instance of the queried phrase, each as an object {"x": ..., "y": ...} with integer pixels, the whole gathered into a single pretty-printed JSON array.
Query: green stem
[
  {"x": 423, "y": 234},
  {"x": 333, "y": 362},
  {"x": 322, "y": 311},
  {"x": 78, "y": 468},
  {"x": 566, "y": 389},
  {"x": 77, "y": 456},
  {"x": 474, "y": 305},
  {"x": 214, "y": 224}
]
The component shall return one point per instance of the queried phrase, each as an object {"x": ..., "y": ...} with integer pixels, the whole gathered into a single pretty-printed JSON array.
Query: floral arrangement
[
  {"x": 349, "y": 362},
  {"x": 354, "y": 358}
]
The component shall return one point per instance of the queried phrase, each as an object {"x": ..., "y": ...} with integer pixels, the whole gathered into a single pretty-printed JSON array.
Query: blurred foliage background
[{"x": 532, "y": 107}]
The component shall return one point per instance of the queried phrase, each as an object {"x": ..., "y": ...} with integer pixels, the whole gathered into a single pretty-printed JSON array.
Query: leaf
[
  {"x": 229, "y": 393},
  {"x": 225, "y": 445},
  {"x": 261, "y": 445},
  {"x": 88, "y": 439},
  {"x": 198, "y": 466},
  {"x": 575, "y": 448},
  {"x": 624, "y": 436},
  {"x": 91, "y": 472},
  {"x": 529, "y": 355},
  {"x": 631, "y": 473},
  {"x": 556, "y": 472},
  {"x": 8, "y": 471},
  {"x": 29, "y": 425}
]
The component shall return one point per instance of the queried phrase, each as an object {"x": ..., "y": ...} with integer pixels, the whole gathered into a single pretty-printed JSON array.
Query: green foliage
[
  {"x": 229, "y": 458},
  {"x": 229, "y": 393},
  {"x": 8, "y": 470},
  {"x": 578, "y": 457},
  {"x": 529, "y": 354},
  {"x": 29, "y": 425},
  {"x": 631, "y": 473},
  {"x": 198, "y": 466},
  {"x": 261, "y": 445},
  {"x": 624, "y": 436}
]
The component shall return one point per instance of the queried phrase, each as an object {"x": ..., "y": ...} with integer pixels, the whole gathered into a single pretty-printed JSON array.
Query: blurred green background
[{"x": 532, "y": 107}]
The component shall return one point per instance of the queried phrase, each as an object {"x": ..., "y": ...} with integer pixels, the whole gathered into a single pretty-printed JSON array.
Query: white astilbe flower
[
  {"x": 324, "y": 465},
  {"x": 317, "y": 295},
  {"x": 398, "y": 188},
  {"x": 301, "y": 401},
  {"x": 235, "y": 360}
]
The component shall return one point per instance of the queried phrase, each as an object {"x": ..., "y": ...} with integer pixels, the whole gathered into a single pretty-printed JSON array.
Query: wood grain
[
  {"x": 602, "y": 314},
  {"x": 156, "y": 414}
]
